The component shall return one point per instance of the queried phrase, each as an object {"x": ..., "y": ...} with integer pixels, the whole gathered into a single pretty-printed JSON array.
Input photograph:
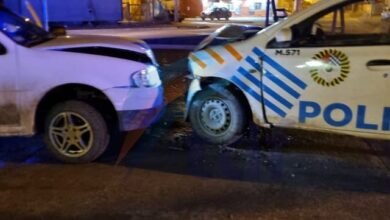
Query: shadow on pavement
[{"x": 170, "y": 147}]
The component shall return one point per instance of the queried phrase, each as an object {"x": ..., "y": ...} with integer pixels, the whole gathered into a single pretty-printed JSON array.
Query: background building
[
  {"x": 247, "y": 8},
  {"x": 71, "y": 10},
  {"x": 157, "y": 10}
]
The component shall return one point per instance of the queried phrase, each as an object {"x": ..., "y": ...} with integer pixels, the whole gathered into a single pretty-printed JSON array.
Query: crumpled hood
[
  {"x": 65, "y": 42},
  {"x": 228, "y": 34}
]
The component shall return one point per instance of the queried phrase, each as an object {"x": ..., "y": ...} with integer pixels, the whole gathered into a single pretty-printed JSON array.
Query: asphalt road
[{"x": 171, "y": 174}]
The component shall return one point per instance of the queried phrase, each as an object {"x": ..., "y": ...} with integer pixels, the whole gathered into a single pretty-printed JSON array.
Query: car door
[
  {"x": 334, "y": 74},
  {"x": 9, "y": 104}
]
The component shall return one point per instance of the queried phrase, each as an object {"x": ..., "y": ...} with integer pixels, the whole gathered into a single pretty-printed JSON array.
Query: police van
[{"x": 326, "y": 68}]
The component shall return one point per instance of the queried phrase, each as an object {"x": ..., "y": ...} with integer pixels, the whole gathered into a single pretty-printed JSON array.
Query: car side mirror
[
  {"x": 284, "y": 35},
  {"x": 3, "y": 50},
  {"x": 58, "y": 30}
]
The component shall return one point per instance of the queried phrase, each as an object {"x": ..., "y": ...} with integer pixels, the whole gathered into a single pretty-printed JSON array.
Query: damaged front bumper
[{"x": 137, "y": 108}]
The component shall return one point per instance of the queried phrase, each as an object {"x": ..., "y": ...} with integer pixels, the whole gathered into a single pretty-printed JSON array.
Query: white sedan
[{"x": 78, "y": 91}]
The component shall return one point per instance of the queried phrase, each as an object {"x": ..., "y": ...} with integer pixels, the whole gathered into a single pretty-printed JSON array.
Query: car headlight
[{"x": 147, "y": 77}]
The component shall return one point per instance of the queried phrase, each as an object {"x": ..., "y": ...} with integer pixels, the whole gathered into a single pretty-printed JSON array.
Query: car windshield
[{"x": 22, "y": 31}]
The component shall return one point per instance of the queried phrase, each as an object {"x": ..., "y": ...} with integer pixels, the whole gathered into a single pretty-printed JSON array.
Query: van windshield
[{"x": 22, "y": 31}]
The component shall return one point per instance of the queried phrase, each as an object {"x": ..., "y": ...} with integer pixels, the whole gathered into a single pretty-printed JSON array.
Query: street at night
[
  {"x": 178, "y": 109},
  {"x": 171, "y": 174}
]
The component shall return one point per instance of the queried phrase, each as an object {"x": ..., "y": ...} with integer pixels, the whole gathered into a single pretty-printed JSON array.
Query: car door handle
[{"x": 378, "y": 63}]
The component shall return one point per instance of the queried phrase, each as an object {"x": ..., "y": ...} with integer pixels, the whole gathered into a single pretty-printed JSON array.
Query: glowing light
[{"x": 312, "y": 63}]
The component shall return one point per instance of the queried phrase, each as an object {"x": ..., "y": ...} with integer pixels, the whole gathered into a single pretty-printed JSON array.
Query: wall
[{"x": 72, "y": 10}]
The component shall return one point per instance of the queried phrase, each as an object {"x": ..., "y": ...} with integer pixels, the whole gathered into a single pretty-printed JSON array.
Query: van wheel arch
[
  {"x": 209, "y": 81},
  {"x": 219, "y": 113}
]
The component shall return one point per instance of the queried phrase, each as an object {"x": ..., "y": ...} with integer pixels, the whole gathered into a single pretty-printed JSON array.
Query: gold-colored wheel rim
[{"x": 71, "y": 134}]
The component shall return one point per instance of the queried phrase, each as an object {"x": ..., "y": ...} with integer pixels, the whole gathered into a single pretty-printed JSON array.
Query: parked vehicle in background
[
  {"x": 326, "y": 68},
  {"x": 216, "y": 13},
  {"x": 77, "y": 91}
]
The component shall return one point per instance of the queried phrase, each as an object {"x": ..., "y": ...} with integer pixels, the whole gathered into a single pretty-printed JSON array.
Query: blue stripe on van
[
  {"x": 279, "y": 68},
  {"x": 258, "y": 97},
  {"x": 250, "y": 77},
  {"x": 246, "y": 88},
  {"x": 282, "y": 85}
]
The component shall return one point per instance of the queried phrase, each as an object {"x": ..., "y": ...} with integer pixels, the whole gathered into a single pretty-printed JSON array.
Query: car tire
[
  {"x": 227, "y": 18},
  {"x": 218, "y": 18},
  {"x": 211, "y": 17},
  {"x": 76, "y": 132},
  {"x": 217, "y": 116}
]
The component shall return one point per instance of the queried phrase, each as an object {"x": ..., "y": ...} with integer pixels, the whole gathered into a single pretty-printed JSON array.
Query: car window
[
  {"x": 348, "y": 24},
  {"x": 351, "y": 24}
]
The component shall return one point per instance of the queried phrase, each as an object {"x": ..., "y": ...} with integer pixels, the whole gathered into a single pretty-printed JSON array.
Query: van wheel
[
  {"x": 217, "y": 116},
  {"x": 75, "y": 132}
]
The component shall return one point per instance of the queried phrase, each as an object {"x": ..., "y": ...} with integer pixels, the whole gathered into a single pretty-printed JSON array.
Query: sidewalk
[{"x": 189, "y": 27}]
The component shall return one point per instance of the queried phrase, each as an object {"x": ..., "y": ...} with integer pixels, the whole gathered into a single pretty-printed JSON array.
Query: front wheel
[
  {"x": 75, "y": 132},
  {"x": 217, "y": 116}
]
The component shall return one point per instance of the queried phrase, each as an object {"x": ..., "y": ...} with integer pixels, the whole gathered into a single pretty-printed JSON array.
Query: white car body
[
  {"x": 28, "y": 74},
  {"x": 287, "y": 86}
]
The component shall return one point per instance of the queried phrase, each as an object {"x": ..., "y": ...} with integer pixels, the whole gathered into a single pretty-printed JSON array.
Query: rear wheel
[
  {"x": 217, "y": 116},
  {"x": 75, "y": 132}
]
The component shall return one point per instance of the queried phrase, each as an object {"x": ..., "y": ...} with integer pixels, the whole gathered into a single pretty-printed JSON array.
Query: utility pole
[
  {"x": 298, "y": 5},
  {"x": 177, "y": 8},
  {"x": 45, "y": 15}
]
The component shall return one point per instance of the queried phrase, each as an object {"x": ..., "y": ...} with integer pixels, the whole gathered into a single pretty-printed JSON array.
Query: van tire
[
  {"x": 217, "y": 116},
  {"x": 82, "y": 139}
]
